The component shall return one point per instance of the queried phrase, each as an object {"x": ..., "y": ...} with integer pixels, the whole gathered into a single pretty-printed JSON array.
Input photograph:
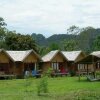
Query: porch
[
  {"x": 32, "y": 69},
  {"x": 6, "y": 71},
  {"x": 59, "y": 69},
  {"x": 90, "y": 65}
]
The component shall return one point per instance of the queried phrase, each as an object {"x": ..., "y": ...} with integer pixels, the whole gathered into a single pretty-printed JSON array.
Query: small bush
[
  {"x": 42, "y": 87},
  {"x": 97, "y": 74},
  {"x": 49, "y": 71},
  {"x": 72, "y": 73}
]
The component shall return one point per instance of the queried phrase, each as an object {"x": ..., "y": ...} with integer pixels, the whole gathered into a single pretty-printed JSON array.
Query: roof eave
[
  {"x": 30, "y": 53},
  {"x": 7, "y": 55}
]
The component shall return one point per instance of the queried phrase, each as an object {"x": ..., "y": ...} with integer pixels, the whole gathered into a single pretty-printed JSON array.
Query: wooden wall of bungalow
[
  {"x": 84, "y": 67},
  {"x": 72, "y": 65},
  {"x": 6, "y": 64},
  {"x": 56, "y": 63},
  {"x": 29, "y": 63}
]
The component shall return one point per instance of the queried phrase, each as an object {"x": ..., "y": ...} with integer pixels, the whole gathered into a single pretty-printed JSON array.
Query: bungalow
[
  {"x": 56, "y": 61},
  {"x": 97, "y": 64},
  {"x": 73, "y": 57},
  {"x": 6, "y": 63},
  {"x": 24, "y": 60},
  {"x": 90, "y": 63}
]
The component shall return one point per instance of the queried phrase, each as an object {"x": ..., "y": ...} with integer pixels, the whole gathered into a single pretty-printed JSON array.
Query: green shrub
[
  {"x": 49, "y": 71},
  {"x": 72, "y": 73},
  {"x": 42, "y": 86},
  {"x": 97, "y": 74}
]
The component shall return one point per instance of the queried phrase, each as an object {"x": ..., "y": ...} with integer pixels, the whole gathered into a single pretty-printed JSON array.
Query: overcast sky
[{"x": 49, "y": 16}]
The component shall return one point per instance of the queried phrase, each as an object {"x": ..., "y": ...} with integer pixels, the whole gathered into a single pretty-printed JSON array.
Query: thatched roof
[
  {"x": 96, "y": 53},
  {"x": 93, "y": 57},
  {"x": 71, "y": 55},
  {"x": 48, "y": 57},
  {"x": 21, "y": 55},
  {"x": 2, "y": 50}
]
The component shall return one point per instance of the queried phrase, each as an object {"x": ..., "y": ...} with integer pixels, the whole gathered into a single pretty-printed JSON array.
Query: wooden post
[
  {"x": 79, "y": 71},
  {"x": 14, "y": 68},
  {"x": 51, "y": 65},
  {"x": 84, "y": 67},
  {"x": 93, "y": 66},
  {"x": 23, "y": 69},
  {"x": 87, "y": 70},
  {"x": 35, "y": 66},
  {"x": 57, "y": 66},
  {"x": 98, "y": 65}
]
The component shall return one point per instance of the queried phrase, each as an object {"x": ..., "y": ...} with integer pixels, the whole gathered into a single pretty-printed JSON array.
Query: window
[
  {"x": 55, "y": 65},
  {"x": 82, "y": 66}
]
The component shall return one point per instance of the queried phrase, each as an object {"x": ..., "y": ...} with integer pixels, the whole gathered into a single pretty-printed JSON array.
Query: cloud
[{"x": 49, "y": 16}]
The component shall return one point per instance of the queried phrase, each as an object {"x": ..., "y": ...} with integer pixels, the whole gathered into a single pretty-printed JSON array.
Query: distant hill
[
  {"x": 56, "y": 38},
  {"x": 85, "y": 38},
  {"x": 40, "y": 39}
]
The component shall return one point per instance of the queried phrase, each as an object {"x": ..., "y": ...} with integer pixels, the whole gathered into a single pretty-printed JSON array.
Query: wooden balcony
[{"x": 3, "y": 75}]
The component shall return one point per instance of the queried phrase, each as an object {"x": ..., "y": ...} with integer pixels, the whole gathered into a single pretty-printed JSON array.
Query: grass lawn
[{"x": 60, "y": 88}]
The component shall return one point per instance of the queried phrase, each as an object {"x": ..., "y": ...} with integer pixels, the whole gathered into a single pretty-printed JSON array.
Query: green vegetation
[
  {"x": 60, "y": 88},
  {"x": 96, "y": 43},
  {"x": 42, "y": 87},
  {"x": 16, "y": 41},
  {"x": 11, "y": 40},
  {"x": 70, "y": 45},
  {"x": 76, "y": 38},
  {"x": 86, "y": 39}
]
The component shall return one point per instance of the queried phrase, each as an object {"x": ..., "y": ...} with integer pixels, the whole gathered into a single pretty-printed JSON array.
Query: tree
[
  {"x": 2, "y": 28},
  {"x": 86, "y": 37},
  {"x": 16, "y": 41},
  {"x": 73, "y": 30},
  {"x": 96, "y": 44},
  {"x": 3, "y": 32},
  {"x": 2, "y": 22},
  {"x": 54, "y": 46},
  {"x": 70, "y": 45},
  {"x": 43, "y": 50}
]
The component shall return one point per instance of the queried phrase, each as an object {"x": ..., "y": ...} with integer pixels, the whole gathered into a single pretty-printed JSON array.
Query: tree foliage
[
  {"x": 2, "y": 22},
  {"x": 70, "y": 45},
  {"x": 54, "y": 46},
  {"x": 96, "y": 44},
  {"x": 3, "y": 32},
  {"x": 43, "y": 50},
  {"x": 20, "y": 42},
  {"x": 15, "y": 41},
  {"x": 76, "y": 39},
  {"x": 86, "y": 38}
]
